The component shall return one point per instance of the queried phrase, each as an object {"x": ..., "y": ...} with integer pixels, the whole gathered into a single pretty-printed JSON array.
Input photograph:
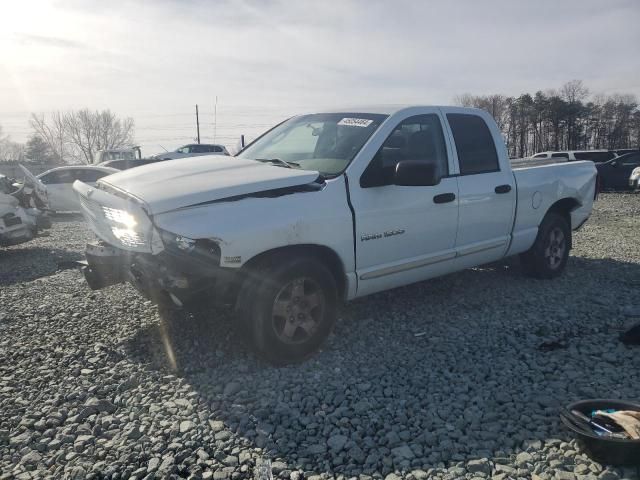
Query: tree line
[
  {"x": 69, "y": 137},
  {"x": 565, "y": 119}
]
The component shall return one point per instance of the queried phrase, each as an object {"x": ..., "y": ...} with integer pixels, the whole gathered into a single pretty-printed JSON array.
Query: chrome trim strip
[
  {"x": 433, "y": 259},
  {"x": 407, "y": 266},
  {"x": 480, "y": 248}
]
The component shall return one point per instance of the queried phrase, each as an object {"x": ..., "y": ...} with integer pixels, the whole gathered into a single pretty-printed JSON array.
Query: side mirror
[{"x": 415, "y": 173}]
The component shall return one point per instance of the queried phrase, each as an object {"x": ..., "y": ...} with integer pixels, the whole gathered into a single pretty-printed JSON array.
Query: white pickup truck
[{"x": 328, "y": 207}]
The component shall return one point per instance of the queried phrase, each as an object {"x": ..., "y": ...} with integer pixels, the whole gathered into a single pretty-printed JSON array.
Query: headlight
[
  {"x": 119, "y": 216},
  {"x": 123, "y": 226},
  {"x": 128, "y": 237}
]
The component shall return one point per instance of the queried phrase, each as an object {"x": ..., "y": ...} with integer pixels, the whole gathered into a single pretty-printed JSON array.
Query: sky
[{"x": 267, "y": 60}]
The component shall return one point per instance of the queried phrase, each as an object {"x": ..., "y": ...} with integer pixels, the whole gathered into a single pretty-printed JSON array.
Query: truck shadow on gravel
[
  {"x": 445, "y": 370},
  {"x": 26, "y": 263}
]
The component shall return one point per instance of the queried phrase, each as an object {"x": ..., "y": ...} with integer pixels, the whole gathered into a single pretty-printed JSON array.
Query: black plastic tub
[{"x": 609, "y": 451}]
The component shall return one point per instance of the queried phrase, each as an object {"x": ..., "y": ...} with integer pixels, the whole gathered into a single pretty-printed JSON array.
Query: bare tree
[
  {"x": 52, "y": 131},
  {"x": 574, "y": 91},
  {"x": 80, "y": 134}
]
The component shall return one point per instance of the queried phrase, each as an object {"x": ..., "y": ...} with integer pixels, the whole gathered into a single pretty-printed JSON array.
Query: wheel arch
[
  {"x": 326, "y": 255},
  {"x": 564, "y": 207}
]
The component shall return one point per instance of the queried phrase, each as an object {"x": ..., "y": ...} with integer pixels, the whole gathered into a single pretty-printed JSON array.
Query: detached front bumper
[{"x": 177, "y": 278}]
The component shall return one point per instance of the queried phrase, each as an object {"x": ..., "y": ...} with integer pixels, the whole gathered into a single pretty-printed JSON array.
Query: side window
[
  {"x": 416, "y": 138},
  {"x": 92, "y": 175},
  {"x": 50, "y": 178},
  {"x": 594, "y": 156},
  {"x": 474, "y": 143},
  {"x": 540, "y": 155},
  {"x": 560, "y": 155},
  {"x": 58, "y": 177},
  {"x": 216, "y": 149},
  {"x": 70, "y": 176}
]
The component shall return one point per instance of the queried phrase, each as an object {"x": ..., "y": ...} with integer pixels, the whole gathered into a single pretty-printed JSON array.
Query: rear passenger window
[
  {"x": 560, "y": 155},
  {"x": 474, "y": 143}
]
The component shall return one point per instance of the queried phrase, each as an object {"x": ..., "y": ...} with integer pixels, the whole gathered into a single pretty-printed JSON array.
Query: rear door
[
  {"x": 486, "y": 186},
  {"x": 404, "y": 234}
]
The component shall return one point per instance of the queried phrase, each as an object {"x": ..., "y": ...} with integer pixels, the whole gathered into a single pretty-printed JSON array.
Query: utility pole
[
  {"x": 198, "y": 123},
  {"x": 215, "y": 118}
]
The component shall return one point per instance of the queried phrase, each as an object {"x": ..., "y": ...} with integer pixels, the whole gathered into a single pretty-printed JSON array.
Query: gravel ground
[{"x": 97, "y": 385}]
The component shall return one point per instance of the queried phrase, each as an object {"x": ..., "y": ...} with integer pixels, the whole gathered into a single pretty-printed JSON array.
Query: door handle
[
  {"x": 503, "y": 188},
  {"x": 444, "y": 198}
]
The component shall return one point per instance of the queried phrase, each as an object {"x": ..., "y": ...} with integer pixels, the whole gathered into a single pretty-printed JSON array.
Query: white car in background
[
  {"x": 59, "y": 184},
  {"x": 193, "y": 150},
  {"x": 634, "y": 179},
  {"x": 575, "y": 155}
]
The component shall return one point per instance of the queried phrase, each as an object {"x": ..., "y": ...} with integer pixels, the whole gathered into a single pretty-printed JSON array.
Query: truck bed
[
  {"x": 540, "y": 183},
  {"x": 518, "y": 163}
]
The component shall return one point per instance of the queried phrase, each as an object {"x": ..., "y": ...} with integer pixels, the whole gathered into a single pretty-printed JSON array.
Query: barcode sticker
[{"x": 355, "y": 122}]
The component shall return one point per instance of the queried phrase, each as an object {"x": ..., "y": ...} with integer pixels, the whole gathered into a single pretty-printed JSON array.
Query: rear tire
[
  {"x": 288, "y": 307},
  {"x": 548, "y": 256}
]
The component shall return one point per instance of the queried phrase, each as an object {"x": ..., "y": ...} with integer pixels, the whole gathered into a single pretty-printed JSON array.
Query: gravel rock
[
  {"x": 337, "y": 442},
  {"x": 481, "y": 465},
  {"x": 99, "y": 384}
]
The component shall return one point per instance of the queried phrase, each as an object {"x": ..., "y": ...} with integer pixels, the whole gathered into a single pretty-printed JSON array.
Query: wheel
[
  {"x": 548, "y": 256},
  {"x": 288, "y": 307}
]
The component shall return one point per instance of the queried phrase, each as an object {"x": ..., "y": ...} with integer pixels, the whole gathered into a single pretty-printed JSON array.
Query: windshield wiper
[{"x": 280, "y": 162}]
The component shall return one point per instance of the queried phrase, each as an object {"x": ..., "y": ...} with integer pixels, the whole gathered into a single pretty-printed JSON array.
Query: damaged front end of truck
[{"x": 164, "y": 267}]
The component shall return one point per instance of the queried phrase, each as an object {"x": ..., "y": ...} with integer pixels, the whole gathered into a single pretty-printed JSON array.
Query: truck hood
[{"x": 173, "y": 184}]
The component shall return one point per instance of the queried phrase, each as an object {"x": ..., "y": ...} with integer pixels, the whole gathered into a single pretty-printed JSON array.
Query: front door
[{"x": 405, "y": 234}]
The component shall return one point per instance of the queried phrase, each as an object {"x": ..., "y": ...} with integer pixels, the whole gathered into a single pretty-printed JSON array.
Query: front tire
[
  {"x": 288, "y": 307},
  {"x": 548, "y": 256}
]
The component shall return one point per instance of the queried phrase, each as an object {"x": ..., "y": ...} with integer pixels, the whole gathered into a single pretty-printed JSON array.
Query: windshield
[{"x": 326, "y": 142}]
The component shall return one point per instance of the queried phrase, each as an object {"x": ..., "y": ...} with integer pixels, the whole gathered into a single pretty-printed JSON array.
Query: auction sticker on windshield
[{"x": 355, "y": 122}]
